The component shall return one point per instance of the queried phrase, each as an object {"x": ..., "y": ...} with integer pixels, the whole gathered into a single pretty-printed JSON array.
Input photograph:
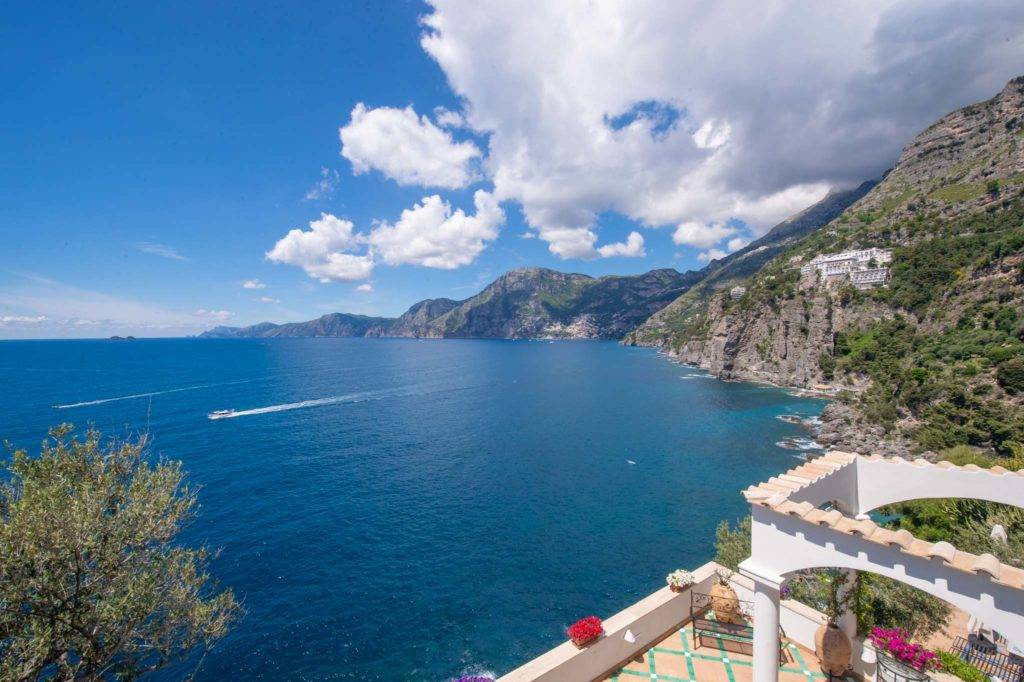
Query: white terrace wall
[{"x": 650, "y": 620}]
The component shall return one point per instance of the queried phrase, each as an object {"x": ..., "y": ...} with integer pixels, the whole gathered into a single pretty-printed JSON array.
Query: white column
[
  {"x": 766, "y": 623},
  {"x": 766, "y": 632},
  {"x": 848, "y": 621}
]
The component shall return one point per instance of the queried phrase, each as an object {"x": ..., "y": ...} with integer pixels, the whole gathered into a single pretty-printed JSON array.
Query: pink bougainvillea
[{"x": 895, "y": 642}]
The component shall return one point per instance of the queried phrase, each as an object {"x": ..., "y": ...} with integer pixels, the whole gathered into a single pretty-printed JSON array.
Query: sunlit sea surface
[{"x": 399, "y": 509}]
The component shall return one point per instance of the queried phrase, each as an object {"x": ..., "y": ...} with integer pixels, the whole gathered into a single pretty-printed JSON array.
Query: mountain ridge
[
  {"x": 522, "y": 303},
  {"x": 927, "y": 362},
  {"x": 535, "y": 302}
]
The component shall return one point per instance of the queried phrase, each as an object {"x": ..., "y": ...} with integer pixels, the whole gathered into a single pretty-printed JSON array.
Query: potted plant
[
  {"x": 900, "y": 660},
  {"x": 475, "y": 678},
  {"x": 585, "y": 631},
  {"x": 679, "y": 580},
  {"x": 724, "y": 601},
  {"x": 831, "y": 644}
]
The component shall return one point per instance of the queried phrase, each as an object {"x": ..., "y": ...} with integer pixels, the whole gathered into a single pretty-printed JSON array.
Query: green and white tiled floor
[{"x": 674, "y": 659}]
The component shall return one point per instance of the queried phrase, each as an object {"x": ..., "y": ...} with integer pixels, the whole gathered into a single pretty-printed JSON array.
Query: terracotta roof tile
[
  {"x": 987, "y": 563},
  {"x": 942, "y": 550},
  {"x": 831, "y": 518},
  {"x": 903, "y": 538}
]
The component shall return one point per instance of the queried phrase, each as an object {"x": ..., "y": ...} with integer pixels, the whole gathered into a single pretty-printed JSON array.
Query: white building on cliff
[{"x": 864, "y": 268}]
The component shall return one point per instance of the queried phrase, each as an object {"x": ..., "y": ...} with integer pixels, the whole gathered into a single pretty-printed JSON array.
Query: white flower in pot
[{"x": 679, "y": 580}]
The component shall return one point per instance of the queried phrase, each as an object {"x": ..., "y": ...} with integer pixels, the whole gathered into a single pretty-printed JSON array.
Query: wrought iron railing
[
  {"x": 892, "y": 670},
  {"x": 985, "y": 657}
]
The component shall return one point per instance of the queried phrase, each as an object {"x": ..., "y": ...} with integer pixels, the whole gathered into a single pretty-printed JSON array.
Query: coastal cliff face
[
  {"x": 416, "y": 321},
  {"x": 951, "y": 213},
  {"x": 781, "y": 344}
]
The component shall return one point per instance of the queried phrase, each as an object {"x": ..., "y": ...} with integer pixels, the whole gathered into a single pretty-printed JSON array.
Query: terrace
[{"x": 813, "y": 516}]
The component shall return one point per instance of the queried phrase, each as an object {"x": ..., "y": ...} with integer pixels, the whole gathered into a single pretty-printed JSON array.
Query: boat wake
[
  {"x": 332, "y": 400},
  {"x": 284, "y": 407},
  {"x": 133, "y": 396}
]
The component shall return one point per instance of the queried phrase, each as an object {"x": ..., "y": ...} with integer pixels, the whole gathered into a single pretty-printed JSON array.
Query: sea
[{"x": 391, "y": 509}]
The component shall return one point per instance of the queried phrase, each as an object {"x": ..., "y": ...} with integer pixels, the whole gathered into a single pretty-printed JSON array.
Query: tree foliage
[
  {"x": 91, "y": 584},
  {"x": 732, "y": 545}
]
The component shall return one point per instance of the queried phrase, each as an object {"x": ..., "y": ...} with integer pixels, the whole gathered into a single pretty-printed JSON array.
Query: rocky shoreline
[{"x": 841, "y": 426}]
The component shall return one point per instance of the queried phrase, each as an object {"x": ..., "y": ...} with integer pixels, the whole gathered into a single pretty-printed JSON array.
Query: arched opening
[{"x": 877, "y": 603}]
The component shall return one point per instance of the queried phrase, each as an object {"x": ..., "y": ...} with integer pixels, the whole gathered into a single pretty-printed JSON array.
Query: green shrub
[
  {"x": 956, "y": 666},
  {"x": 827, "y": 365},
  {"x": 1010, "y": 375}
]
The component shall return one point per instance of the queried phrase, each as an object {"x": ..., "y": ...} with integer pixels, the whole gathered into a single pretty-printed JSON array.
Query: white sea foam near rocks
[
  {"x": 799, "y": 443},
  {"x": 813, "y": 423}
]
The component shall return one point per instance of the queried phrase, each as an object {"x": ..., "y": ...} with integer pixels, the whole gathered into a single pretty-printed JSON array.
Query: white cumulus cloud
[
  {"x": 214, "y": 315},
  {"x": 269, "y": 299},
  {"x": 321, "y": 251},
  {"x": 633, "y": 247},
  {"x": 407, "y": 148},
  {"x": 673, "y": 112},
  {"x": 446, "y": 118},
  {"x": 22, "y": 319},
  {"x": 737, "y": 243},
  {"x": 253, "y": 284},
  {"x": 701, "y": 235},
  {"x": 432, "y": 235},
  {"x": 711, "y": 254},
  {"x": 364, "y": 288}
]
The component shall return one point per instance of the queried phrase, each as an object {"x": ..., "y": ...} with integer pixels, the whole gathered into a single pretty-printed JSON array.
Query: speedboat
[{"x": 220, "y": 414}]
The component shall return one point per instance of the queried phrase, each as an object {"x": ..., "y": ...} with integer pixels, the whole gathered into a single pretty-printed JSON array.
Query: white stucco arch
[
  {"x": 872, "y": 482},
  {"x": 782, "y": 544},
  {"x": 790, "y": 532}
]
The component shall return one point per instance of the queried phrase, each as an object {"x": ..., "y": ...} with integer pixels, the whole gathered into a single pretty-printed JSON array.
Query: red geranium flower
[{"x": 585, "y": 630}]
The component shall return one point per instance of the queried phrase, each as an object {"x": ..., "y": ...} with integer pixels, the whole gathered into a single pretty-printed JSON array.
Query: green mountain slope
[
  {"x": 935, "y": 358},
  {"x": 537, "y": 302}
]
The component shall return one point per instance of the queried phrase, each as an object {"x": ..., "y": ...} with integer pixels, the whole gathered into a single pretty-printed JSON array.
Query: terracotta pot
[
  {"x": 678, "y": 588},
  {"x": 833, "y": 649},
  {"x": 725, "y": 604},
  {"x": 583, "y": 643}
]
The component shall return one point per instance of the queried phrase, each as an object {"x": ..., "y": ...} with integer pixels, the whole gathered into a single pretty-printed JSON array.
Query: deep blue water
[{"x": 458, "y": 506}]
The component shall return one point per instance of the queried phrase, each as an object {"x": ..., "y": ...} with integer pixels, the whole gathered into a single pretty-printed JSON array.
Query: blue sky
[{"x": 154, "y": 154}]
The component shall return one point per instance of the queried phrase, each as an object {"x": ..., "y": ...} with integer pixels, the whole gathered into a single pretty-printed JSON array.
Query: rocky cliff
[{"x": 950, "y": 212}]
